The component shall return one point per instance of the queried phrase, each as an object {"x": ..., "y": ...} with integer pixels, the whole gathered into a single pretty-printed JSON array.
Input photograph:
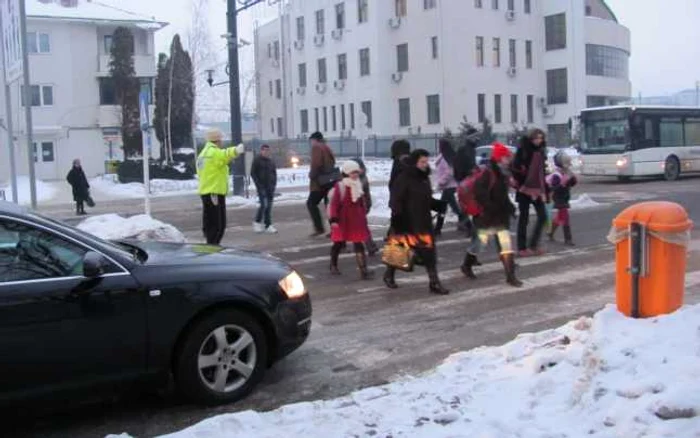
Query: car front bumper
[{"x": 293, "y": 321}]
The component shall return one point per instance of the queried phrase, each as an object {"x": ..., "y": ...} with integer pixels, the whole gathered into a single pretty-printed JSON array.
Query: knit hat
[
  {"x": 214, "y": 135},
  {"x": 349, "y": 167},
  {"x": 500, "y": 152}
]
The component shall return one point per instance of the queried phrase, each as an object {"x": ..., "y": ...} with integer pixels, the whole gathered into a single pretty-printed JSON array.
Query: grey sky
[{"x": 665, "y": 36}]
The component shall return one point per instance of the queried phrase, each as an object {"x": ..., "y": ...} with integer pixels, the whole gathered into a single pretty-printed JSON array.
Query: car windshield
[{"x": 606, "y": 136}]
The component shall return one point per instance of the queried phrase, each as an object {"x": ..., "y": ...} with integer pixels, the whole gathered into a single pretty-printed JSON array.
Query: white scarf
[{"x": 356, "y": 191}]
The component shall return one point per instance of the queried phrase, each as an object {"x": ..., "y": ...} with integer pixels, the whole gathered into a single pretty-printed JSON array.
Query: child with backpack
[
  {"x": 560, "y": 183},
  {"x": 484, "y": 195}
]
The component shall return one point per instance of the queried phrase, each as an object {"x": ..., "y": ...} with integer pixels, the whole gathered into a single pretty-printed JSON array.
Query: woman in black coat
[
  {"x": 81, "y": 188},
  {"x": 411, "y": 202},
  {"x": 400, "y": 150}
]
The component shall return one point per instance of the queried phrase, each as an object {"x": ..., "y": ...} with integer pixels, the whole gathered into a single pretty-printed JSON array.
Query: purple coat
[{"x": 444, "y": 174}]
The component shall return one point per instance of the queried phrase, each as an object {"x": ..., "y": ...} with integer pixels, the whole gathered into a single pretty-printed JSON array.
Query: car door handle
[{"x": 155, "y": 293}]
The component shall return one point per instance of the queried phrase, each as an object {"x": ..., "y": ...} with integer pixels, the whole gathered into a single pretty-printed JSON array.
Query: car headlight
[
  {"x": 622, "y": 162},
  {"x": 293, "y": 285}
]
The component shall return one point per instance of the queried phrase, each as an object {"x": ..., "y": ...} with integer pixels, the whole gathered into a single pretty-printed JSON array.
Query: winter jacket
[
  {"x": 322, "y": 161},
  {"x": 397, "y": 167},
  {"x": 523, "y": 161},
  {"x": 411, "y": 201},
  {"x": 263, "y": 171},
  {"x": 465, "y": 161},
  {"x": 350, "y": 216},
  {"x": 444, "y": 174},
  {"x": 560, "y": 183},
  {"x": 365, "y": 184},
  {"x": 491, "y": 192},
  {"x": 212, "y": 169},
  {"x": 81, "y": 188}
]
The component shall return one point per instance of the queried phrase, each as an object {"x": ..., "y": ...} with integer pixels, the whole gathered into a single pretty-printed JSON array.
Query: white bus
[{"x": 631, "y": 141}]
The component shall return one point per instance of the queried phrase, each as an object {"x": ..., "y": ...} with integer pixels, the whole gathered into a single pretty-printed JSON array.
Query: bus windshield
[{"x": 606, "y": 135}]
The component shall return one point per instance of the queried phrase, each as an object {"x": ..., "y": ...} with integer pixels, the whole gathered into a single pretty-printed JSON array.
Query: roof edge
[
  {"x": 135, "y": 22},
  {"x": 605, "y": 3}
]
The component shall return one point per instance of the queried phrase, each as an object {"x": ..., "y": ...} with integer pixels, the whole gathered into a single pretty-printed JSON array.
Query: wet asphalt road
[{"x": 364, "y": 334}]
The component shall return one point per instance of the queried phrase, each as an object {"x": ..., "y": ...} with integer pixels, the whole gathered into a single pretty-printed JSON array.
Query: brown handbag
[{"x": 399, "y": 256}]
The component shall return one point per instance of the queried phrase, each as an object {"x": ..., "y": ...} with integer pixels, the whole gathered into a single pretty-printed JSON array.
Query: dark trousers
[
  {"x": 264, "y": 214},
  {"x": 524, "y": 203},
  {"x": 450, "y": 196},
  {"x": 80, "y": 206},
  {"x": 315, "y": 198},
  {"x": 213, "y": 218}
]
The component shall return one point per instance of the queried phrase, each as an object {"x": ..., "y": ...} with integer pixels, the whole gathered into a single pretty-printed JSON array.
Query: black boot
[
  {"x": 439, "y": 223},
  {"x": 389, "y": 278},
  {"x": 372, "y": 248},
  {"x": 435, "y": 285},
  {"x": 568, "y": 239},
  {"x": 552, "y": 231},
  {"x": 361, "y": 258},
  {"x": 508, "y": 261},
  {"x": 335, "y": 254},
  {"x": 470, "y": 261}
]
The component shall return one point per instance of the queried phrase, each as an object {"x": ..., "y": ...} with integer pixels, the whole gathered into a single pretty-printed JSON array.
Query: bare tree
[{"x": 200, "y": 46}]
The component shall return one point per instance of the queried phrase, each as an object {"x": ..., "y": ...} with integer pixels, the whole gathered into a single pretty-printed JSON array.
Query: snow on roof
[{"x": 90, "y": 10}]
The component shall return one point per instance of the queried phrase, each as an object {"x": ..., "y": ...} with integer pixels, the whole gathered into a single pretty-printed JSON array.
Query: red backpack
[{"x": 466, "y": 192}]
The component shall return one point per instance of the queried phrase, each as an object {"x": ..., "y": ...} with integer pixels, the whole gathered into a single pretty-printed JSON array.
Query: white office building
[
  {"x": 74, "y": 108},
  {"x": 420, "y": 66}
]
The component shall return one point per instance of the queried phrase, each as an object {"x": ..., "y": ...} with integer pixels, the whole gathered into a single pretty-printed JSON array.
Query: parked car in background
[{"x": 78, "y": 313}]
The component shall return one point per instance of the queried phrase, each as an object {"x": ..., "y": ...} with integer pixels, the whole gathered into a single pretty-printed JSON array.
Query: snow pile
[
  {"x": 583, "y": 201},
  {"x": 109, "y": 187},
  {"x": 606, "y": 376},
  {"x": 140, "y": 227},
  {"x": 44, "y": 191}
]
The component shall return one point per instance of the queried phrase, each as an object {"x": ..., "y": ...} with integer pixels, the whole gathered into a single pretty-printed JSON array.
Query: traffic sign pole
[{"x": 146, "y": 152}]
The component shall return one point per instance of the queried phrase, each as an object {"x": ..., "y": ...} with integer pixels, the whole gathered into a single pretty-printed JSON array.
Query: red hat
[{"x": 500, "y": 152}]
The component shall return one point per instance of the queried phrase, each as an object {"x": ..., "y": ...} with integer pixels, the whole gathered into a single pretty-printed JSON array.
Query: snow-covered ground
[
  {"x": 139, "y": 227},
  {"x": 606, "y": 376},
  {"x": 44, "y": 191}
]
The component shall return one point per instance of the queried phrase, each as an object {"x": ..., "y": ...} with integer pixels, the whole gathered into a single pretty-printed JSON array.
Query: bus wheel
[
  {"x": 624, "y": 179},
  {"x": 672, "y": 169}
]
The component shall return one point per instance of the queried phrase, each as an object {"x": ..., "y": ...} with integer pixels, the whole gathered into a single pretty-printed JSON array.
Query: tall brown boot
[
  {"x": 361, "y": 258},
  {"x": 508, "y": 261}
]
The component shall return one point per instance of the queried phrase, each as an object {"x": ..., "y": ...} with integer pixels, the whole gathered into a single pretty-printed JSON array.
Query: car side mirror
[{"x": 93, "y": 265}]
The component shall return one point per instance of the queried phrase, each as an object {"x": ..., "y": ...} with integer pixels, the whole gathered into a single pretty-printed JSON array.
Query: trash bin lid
[{"x": 660, "y": 216}]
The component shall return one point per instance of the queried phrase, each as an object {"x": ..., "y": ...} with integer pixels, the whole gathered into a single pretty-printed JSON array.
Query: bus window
[
  {"x": 692, "y": 132},
  {"x": 670, "y": 132}
]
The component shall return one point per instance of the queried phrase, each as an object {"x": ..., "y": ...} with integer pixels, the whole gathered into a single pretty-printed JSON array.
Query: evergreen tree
[
  {"x": 487, "y": 134},
  {"x": 160, "y": 116},
  {"x": 181, "y": 95},
  {"x": 121, "y": 68}
]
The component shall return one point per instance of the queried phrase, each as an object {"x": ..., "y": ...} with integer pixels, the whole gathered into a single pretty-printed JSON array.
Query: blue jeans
[{"x": 264, "y": 214}]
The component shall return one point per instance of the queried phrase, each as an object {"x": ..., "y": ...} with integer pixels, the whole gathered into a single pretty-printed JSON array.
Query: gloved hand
[{"x": 240, "y": 149}]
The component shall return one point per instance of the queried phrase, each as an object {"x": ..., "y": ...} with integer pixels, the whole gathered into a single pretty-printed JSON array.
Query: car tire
[
  {"x": 672, "y": 169},
  {"x": 221, "y": 358}
]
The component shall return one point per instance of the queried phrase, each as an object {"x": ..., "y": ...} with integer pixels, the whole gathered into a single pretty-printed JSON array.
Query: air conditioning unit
[
  {"x": 339, "y": 84},
  {"x": 512, "y": 71},
  {"x": 321, "y": 87},
  {"x": 301, "y": 91},
  {"x": 319, "y": 39},
  {"x": 510, "y": 15},
  {"x": 395, "y": 22},
  {"x": 337, "y": 34},
  {"x": 541, "y": 102},
  {"x": 397, "y": 77},
  {"x": 547, "y": 111},
  {"x": 299, "y": 44}
]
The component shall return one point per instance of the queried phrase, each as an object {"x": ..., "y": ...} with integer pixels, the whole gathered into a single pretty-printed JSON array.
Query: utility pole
[
  {"x": 31, "y": 154},
  {"x": 697, "y": 93},
  {"x": 8, "y": 126}
]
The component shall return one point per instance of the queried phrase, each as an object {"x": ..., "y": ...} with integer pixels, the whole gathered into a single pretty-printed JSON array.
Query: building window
[
  {"x": 342, "y": 66},
  {"x": 322, "y": 73},
  {"x": 108, "y": 92},
  {"x": 351, "y": 109},
  {"x": 41, "y": 95},
  {"x": 606, "y": 61},
  {"x": 38, "y": 42},
  {"x": 342, "y": 117},
  {"x": 555, "y": 31},
  {"x": 107, "y": 44},
  {"x": 280, "y": 129},
  {"x": 276, "y": 50},
  {"x": 528, "y": 54},
  {"x": 511, "y": 5},
  {"x": 478, "y": 4},
  {"x": 317, "y": 122},
  {"x": 304, "y": 116},
  {"x": 530, "y": 108},
  {"x": 429, "y": 4},
  {"x": 557, "y": 86},
  {"x": 558, "y": 134},
  {"x": 340, "y": 16},
  {"x": 364, "y": 62},
  {"x": 496, "y": 52},
  {"x": 479, "y": 51},
  {"x": 514, "y": 108},
  {"x": 278, "y": 88},
  {"x": 404, "y": 112},
  {"x": 362, "y": 11},
  {"x": 325, "y": 119},
  {"x": 400, "y": 8},
  {"x": 367, "y": 111},
  {"x": 334, "y": 120},
  {"x": 497, "y": 110},
  {"x": 481, "y": 107},
  {"x": 272, "y": 125},
  {"x": 47, "y": 152},
  {"x": 402, "y": 57},
  {"x": 320, "y": 22},
  {"x": 494, "y": 5},
  {"x": 434, "y": 109},
  {"x": 301, "y": 29},
  {"x": 527, "y": 7},
  {"x": 434, "y": 47},
  {"x": 302, "y": 75},
  {"x": 272, "y": 89},
  {"x": 512, "y": 59}
]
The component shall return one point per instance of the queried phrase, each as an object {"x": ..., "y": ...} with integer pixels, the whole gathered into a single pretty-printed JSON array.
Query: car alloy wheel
[{"x": 227, "y": 358}]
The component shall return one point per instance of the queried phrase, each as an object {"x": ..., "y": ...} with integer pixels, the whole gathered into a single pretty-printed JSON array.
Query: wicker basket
[{"x": 399, "y": 256}]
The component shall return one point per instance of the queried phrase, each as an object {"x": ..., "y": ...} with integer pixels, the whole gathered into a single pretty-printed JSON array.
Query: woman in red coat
[{"x": 347, "y": 213}]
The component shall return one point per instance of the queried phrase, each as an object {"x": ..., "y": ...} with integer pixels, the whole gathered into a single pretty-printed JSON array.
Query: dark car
[{"x": 77, "y": 312}]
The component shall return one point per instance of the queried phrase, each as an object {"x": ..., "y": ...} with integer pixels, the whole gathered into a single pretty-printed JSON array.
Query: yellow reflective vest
[{"x": 212, "y": 169}]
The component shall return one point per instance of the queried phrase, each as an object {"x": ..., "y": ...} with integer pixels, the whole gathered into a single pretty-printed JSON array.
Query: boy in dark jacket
[
  {"x": 264, "y": 174},
  {"x": 560, "y": 183},
  {"x": 491, "y": 193}
]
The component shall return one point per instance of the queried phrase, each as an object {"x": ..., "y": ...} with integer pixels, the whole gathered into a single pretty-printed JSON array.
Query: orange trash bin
[{"x": 665, "y": 235}]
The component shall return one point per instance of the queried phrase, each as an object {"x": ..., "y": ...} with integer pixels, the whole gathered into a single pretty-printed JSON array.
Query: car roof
[{"x": 12, "y": 208}]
